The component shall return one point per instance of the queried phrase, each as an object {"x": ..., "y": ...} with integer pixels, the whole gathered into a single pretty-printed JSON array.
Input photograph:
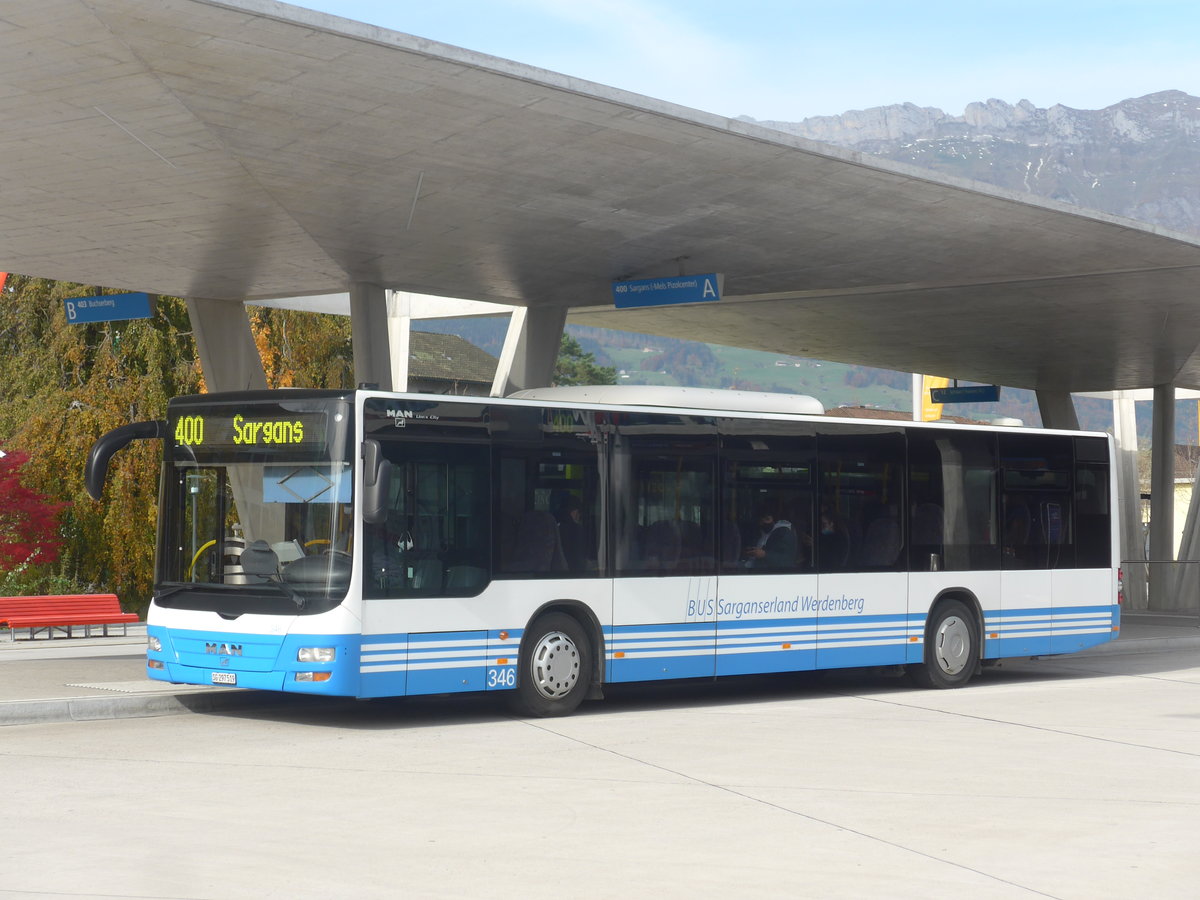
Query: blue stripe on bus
[
  {"x": 669, "y": 650},
  {"x": 655, "y": 652},
  {"x": 449, "y": 662},
  {"x": 439, "y": 663}
]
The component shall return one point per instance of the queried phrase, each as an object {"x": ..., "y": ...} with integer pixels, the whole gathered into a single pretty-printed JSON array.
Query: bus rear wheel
[
  {"x": 951, "y": 648},
  {"x": 555, "y": 667}
]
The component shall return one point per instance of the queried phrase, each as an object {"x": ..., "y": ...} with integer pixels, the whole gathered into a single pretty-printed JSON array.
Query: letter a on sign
[{"x": 710, "y": 290}]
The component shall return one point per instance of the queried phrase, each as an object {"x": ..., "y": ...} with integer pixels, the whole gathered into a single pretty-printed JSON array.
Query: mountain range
[{"x": 1139, "y": 158}]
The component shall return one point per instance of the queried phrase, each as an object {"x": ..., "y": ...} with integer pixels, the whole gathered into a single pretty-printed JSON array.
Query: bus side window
[
  {"x": 952, "y": 501},
  {"x": 434, "y": 541},
  {"x": 861, "y": 488},
  {"x": 1037, "y": 476},
  {"x": 550, "y": 521},
  {"x": 665, "y": 492}
]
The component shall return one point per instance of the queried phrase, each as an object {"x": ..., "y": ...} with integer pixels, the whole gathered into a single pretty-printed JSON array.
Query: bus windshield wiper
[
  {"x": 177, "y": 588},
  {"x": 287, "y": 590}
]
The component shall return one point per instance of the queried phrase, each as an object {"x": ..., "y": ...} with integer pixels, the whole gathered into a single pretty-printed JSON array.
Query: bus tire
[
  {"x": 951, "y": 648},
  {"x": 555, "y": 667}
]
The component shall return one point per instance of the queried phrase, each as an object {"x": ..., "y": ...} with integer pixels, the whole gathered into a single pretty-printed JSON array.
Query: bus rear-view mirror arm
[
  {"x": 377, "y": 481},
  {"x": 107, "y": 444}
]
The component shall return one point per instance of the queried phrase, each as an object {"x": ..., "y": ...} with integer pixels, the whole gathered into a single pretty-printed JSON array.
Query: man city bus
[{"x": 369, "y": 544}]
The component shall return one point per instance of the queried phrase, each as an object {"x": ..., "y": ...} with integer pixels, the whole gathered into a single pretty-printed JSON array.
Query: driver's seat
[{"x": 260, "y": 561}]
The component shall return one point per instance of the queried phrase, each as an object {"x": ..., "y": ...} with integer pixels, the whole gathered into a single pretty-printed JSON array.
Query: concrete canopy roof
[{"x": 249, "y": 149}]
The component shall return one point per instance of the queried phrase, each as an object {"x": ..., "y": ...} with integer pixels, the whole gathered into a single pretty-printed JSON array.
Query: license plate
[{"x": 224, "y": 677}]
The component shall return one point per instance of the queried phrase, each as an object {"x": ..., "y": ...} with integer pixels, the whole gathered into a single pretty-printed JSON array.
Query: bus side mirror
[
  {"x": 377, "y": 483},
  {"x": 96, "y": 469}
]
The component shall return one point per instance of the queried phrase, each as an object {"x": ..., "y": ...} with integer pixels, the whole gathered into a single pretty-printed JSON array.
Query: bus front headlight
[{"x": 316, "y": 654}]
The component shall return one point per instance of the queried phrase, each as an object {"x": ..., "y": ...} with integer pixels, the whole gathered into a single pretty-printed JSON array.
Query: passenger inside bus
[
  {"x": 571, "y": 535},
  {"x": 833, "y": 543},
  {"x": 776, "y": 543}
]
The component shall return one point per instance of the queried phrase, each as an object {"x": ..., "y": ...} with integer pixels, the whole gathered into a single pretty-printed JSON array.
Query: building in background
[{"x": 448, "y": 364}]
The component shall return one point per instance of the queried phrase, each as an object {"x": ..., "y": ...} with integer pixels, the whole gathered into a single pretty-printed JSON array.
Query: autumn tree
[
  {"x": 303, "y": 349},
  {"x": 61, "y": 386},
  {"x": 28, "y": 519}
]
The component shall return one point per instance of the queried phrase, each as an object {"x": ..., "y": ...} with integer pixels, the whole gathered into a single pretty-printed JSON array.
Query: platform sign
[
  {"x": 981, "y": 393},
  {"x": 667, "y": 291},
  {"x": 108, "y": 308}
]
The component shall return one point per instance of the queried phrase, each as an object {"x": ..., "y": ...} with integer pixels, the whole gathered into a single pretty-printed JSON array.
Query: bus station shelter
[{"x": 249, "y": 151}]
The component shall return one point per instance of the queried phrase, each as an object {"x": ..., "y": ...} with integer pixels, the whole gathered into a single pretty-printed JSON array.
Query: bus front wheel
[
  {"x": 555, "y": 667},
  {"x": 951, "y": 648}
]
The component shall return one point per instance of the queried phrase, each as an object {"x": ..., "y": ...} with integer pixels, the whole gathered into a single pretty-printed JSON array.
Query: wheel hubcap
[
  {"x": 555, "y": 665},
  {"x": 952, "y": 645}
]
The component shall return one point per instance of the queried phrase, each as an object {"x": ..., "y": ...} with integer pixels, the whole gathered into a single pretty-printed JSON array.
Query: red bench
[{"x": 64, "y": 612}]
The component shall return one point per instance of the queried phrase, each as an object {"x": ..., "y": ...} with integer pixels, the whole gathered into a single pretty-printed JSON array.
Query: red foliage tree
[{"x": 28, "y": 521}]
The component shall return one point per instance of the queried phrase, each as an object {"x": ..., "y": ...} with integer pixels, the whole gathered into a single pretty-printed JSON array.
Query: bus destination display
[{"x": 254, "y": 430}]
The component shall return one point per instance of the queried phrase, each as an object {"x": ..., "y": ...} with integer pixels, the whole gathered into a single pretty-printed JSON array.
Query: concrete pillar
[
  {"x": 1162, "y": 497},
  {"x": 369, "y": 333},
  {"x": 1129, "y": 500},
  {"x": 399, "y": 311},
  {"x": 1057, "y": 409},
  {"x": 530, "y": 349},
  {"x": 230, "y": 361},
  {"x": 1186, "y": 592},
  {"x": 229, "y": 358}
]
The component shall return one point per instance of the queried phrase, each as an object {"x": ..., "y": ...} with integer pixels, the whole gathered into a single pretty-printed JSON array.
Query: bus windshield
[{"x": 257, "y": 502}]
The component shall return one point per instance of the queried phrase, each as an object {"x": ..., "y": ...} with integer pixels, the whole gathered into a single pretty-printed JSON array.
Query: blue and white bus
[{"x": 369, "y": 544}]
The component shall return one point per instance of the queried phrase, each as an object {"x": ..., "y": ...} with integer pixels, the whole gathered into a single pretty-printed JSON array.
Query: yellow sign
[{"x": 930, "y": 411}]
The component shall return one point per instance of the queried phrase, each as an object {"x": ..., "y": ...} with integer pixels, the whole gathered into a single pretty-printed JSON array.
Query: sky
[{"x": 786, "y": 61}]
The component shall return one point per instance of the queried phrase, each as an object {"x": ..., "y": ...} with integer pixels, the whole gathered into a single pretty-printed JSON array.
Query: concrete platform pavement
[{"x": 83, "y": 678}]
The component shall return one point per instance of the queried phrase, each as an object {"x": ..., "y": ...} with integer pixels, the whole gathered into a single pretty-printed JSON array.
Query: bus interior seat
[
  {"x": 662, "y": 545},
  {"x": 259, "y": 561},
  {"x": 694, "y": 556},
  {"x": 882, "y": 542},
  {"x": 1017, "y": 525},
  {"x": 1018, "y": 534},
  {"x": 537, "y": 548},
  {"x": 833, "y": 550}
]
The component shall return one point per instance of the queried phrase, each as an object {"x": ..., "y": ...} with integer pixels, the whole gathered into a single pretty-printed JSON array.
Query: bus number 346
[{"x": 498, "y": 678}]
